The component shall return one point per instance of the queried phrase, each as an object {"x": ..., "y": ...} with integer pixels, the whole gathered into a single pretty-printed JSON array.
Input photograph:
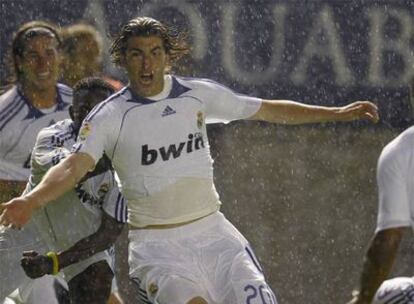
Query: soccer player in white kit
[
  {"x": 82, "y": 57},
  {"x": 395, "y": 180},
  {"x": 182, "y": 249},
  {"x": 35, "y": 101},
  {"x": 87, "y": 267}
]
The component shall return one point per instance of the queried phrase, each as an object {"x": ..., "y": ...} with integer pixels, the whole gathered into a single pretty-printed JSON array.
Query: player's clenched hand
[
  {"x": 35, "y": 265},
  {"x": 15, "y": 213},
  {"x": 359, "y": 110}
]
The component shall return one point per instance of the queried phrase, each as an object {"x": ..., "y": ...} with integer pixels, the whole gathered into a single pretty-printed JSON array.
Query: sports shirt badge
[
  {"x": 85, "y": 130},
  {"x": 200, "y": 119}
]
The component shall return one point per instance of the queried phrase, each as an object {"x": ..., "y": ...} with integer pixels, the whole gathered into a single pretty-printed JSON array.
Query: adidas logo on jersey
[
  {"x": 168, "y": 111},
  {"x": 149, "y": 156}
]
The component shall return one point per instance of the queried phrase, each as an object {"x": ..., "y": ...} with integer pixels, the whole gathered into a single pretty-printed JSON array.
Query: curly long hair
[{"x": 175, "y": 42}]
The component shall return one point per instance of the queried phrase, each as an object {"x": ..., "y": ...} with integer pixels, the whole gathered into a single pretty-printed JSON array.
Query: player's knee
[{"x": 197, "y": 300}]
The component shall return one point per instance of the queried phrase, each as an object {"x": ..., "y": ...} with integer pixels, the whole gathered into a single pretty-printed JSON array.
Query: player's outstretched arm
[
  {"x": 377, "y": 263},
  {"x": 36, "y": 265},
  {"x": 55, "y": 183},
  {"x": 291, "y": 112}
]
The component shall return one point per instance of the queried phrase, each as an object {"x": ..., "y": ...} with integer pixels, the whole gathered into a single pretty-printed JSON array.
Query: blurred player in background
[
  {"x": 182, "y": 249},
  {"x": 82, "y": 54},
  {"x": 395, "y": 180},
  {"x": 67, "y": 222},
  {"x": 34, "y": 101}
]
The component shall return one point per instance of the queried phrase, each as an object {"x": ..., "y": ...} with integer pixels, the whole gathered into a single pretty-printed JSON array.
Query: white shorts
[
  {"x": 207, "y": 258},
  {"x": 12, "y": 244},
  {"x": 398, "y": 290}
]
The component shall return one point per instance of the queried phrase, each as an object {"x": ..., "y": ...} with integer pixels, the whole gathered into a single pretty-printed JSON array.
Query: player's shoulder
[
  {"x": 400, "y": 148},
  {"x": 64, "y": 125},
  {"x": 199, "y": 83},
  {"x": 12, "y": 103},
  {"x": 112, "y": 105},
  {"x": 204, "y": 89},
  {"x": 60, "y": 129},
  {"x": 8, "y": 97},
  {"x": 404, "y": 142},
  {"x": 64, "y": 89},
  {"x": 407, "y": 136},
  {"x": 65, "y": 96},
  {"x": 120, "y": 96}
]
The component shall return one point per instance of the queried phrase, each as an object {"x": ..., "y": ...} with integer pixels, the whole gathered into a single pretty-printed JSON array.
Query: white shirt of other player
[
  {"x": 159, "y": 146},
  {"x": 66, "y": 221},
  {"x": 395, "y": 177},
  {"x": 19, "y": 124}
]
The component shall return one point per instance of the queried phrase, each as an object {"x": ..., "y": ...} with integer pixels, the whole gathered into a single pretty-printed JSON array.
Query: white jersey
[
  {"x": 396, "y": 183},
  {"x": 19, "y": 124},
  {"x": 66, "y": 221},
  {"x": 159, "y": 146}
]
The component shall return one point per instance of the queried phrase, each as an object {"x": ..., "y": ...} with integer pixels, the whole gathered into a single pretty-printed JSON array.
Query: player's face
[
  {"x": 85, "y": 61},
  {"x": 83, "y": 102},
  {"x": 145, "y": 60},
  {"x": 39, "y": 63}
]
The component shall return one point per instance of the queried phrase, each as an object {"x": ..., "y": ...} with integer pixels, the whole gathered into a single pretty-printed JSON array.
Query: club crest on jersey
[
  {"x": 200, "y": 119},
  {"x": 85, "y": 130}
]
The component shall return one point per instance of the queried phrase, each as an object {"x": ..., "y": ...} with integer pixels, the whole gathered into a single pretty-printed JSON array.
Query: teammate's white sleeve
[
  {"x": 224, "y": 105},
  {"x": 47, "y": 152},
  {"x": 99, "y": 131},
  {"x": 392, "y": 179}
]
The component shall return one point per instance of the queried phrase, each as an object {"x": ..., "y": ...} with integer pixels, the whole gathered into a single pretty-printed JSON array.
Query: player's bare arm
[
  {"x": 36, "y": 265},
  {"x": 60, "y": 179},
  {"x": 378, "y": 262},
  {"x": 291, "y": 112}
]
